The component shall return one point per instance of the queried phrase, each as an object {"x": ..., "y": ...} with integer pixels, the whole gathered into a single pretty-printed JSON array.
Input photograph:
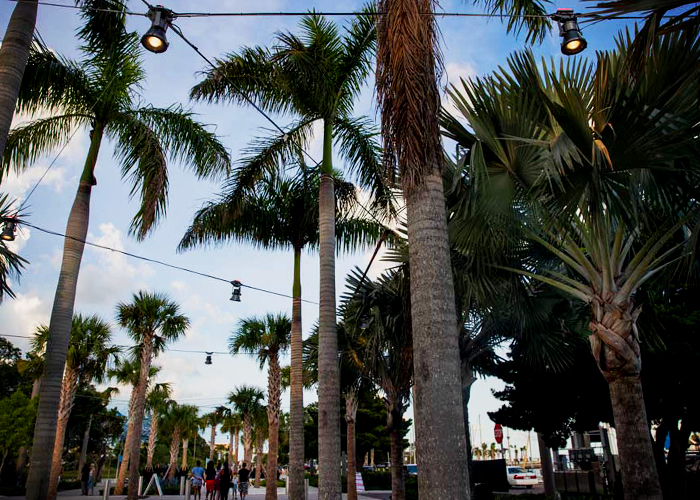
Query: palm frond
[{"x": 522, "y": 14}]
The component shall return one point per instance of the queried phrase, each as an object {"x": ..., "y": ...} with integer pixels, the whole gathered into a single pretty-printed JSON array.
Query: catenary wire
[
  {"x": 159, "y": 262},
  {"x": 338, "y": 13}
]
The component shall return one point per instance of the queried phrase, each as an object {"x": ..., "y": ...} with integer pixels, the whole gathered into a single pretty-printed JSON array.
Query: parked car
[{"x": 517, "y": 476}]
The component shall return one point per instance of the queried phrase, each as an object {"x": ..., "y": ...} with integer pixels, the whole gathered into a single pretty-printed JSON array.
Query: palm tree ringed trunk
[
  {"x": 258, "y": 459},
  {"x": 68, "y": 390},
  {"x": 152, "y": 439},
  {"x": 185, "y": 445},
  {"x": 86, "y": 440},
  {"x": 14, "y": 54},
  {"x": 174, "y": 452},
  {"x": 350, "y": 416},
  {"x": 247, "y": 440},
  {"x": 616, "y": 350},
  {"x": 440, "y": 435},
  {"x": 139, "y": 406},
  {"x": 124, "y": 468},
  {"x": 550, "y": 489},
  {"x": 467, "y": 382},
  {"x": 398, "y": 486},
  {"x": 296, "y": 397},
  {"x": 328, "y": 370},
  {"x": 230, "y": 448},
  {"x": 60, "y": 327},
  {"x": 273, "y": 424},
  {"x": 211, "y": 440},
  {"x": 235, "y": 447}
]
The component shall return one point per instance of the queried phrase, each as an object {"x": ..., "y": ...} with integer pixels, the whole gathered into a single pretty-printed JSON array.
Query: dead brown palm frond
[{"x": 408, "y": 69}]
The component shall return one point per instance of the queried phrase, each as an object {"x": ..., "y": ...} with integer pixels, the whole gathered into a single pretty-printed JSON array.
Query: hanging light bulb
[
  {"x": 154, "y": 39},
  {"x": 208, "y": 360},
  {"x": 572, "y": 39},
  {"x": 236, "y": 295},
  {"x": 8, "y": 230}
]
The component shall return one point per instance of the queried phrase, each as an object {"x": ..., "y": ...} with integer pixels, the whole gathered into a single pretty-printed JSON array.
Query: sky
[{"x": 470, "y": 46}]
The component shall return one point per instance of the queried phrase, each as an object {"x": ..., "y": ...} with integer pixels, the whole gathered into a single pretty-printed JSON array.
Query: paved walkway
[{"x": 253, "y": 494}]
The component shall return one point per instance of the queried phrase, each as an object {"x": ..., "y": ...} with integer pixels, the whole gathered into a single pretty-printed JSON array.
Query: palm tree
[
  {"x": 100, "y": 92},
  {"x": 157, "y": 402},
  {"x": 89, "y": 357},
  {"x": 189, "y": 430},
  {"x": 315, "y": 77},
  {"x": 152, "y": 321},
  {"x": 213, "y": 419},
  {"x": 178, "y": 420},
  {"x": 377, "y": 317},
  {"x": 260, "y": 432},
  {"x": 232, "y": 425},
  {"x": 407, "y": 92},
  {"x": 14, "y": 53},
  {"x": 267, "y": 338},
  {"x": 598, "y": 203},
  {"x": 11, "y": 264},
  {"x": 281, "y": 213},
  {"x": 247, "y": 401}
]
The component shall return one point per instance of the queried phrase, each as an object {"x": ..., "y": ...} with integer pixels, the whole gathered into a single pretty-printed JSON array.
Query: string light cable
[
  {"x": 161, "y": 263},
  {"x": 592, "y": 16}
]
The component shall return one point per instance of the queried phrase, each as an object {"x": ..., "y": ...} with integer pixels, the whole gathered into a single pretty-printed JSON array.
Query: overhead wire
[{"x": 161, "y": 263}]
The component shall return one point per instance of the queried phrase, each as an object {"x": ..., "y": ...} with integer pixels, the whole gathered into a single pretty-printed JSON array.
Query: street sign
[{"x": 498, "y": 433}]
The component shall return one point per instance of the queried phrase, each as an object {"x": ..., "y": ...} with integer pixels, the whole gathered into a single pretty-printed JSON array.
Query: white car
[{"x": 517, "y": 476}]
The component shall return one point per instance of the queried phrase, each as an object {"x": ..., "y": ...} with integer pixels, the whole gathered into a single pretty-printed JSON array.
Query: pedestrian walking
[
  {"x": 224, "y": 481},
  {"x": 210, "y": 476},
  {"x": 84, "y": 478},
  {"x": 197, "y": 480},
  {"x": 243, "y": 477},
  {"x": 91, "y": 481}
]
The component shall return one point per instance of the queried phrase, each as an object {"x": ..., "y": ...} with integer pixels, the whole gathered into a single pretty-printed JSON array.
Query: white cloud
[
  {"x": 113, "y": 277},
  {"x": 455, "y": 72},
  {"x": 22, "y": 315}
]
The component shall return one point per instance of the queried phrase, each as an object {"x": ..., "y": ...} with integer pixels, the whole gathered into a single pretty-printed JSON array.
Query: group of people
[
  {"x": 217, "y": 481},
  {"x": 87, "y": 479}
]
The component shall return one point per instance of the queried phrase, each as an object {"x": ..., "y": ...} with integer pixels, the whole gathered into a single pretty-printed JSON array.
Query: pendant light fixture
[
  {"x": 572, "y": 39},
  {"x": 208, "y": 360},
  {"x": 154, "y": 40},
  {"x": 9, "y": 227},
  {"x": 236, "y": 295}
]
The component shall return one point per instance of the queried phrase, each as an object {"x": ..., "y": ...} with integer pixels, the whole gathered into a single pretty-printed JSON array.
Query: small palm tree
[
  {"x": 189, "y": 432},
  {"x": 267, "y": 338},
  {"x": 89, "y": 358},
  {"x": 178, "y": 421},
  {"x": 261, "y": 432},
  {"x": 315, "y": 76},
  {"x": 100, "y": 92},
  {"x": 246, "y": 401},
  {"x": 232, "y": 425},
  {"x": 213, "y": 419},
  {"x": 152, "y": 320},
  {"x": 157, "y": 402}
]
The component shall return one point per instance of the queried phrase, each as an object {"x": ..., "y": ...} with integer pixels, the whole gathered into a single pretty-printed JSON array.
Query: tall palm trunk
[
  {"x": 616, "y": 350},
  {"x": 398, "y": 486},
  {"x": 296, "y": 397},
  {"x": 258, "y": 458},
  {"x": 139, "y": 406},
  {"x": 440, "y": 435},
  {"x": 185, "y": 445},
  {"x": 550, "y": 489},
  {"x": 328, "y": 370},
  {"x": 68, "y": 390},
  {"x": 83, "y": 449},
  {"x": 211, "y": 441},
  {"x": 174, "y": 452},
  {"x": 124, "y": 468},
  {"x": 14, "y": 53},
  {"x": 235, "y": 446},
  {"x": 152, "y": 439},
  {"x": 59, "y": 328},
  {"x": 247, "y": 440},
  {"x": 230, "y": 449},
  {"x": 273, "y": 423},
  {"x": 467, "y": 382},
  {"x": 350, "y": 416}
]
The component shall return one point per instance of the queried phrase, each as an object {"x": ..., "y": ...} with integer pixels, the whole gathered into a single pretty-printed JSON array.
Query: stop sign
[{"x": 498, "y": 433}]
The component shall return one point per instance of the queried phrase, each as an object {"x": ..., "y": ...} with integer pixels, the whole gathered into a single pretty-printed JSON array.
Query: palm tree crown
[
  {"x": 152, "y": 315},
  {"x": 262, "y": 336}
]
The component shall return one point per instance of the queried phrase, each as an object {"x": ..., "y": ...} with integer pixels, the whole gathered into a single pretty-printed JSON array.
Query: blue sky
[{"x": 471, "y": 46}]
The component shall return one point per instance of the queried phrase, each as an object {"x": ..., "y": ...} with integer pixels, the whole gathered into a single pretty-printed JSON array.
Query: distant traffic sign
[{"x": 498, "y": 433}]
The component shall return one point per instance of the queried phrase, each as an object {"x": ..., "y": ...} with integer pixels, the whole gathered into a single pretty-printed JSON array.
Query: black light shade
[
  {"x": 572, "y": 39},
  {"x": 155, "y": 40},
  {"x": 8, "y": 231},
  {"x": 208, "y": 360},
  {"x": 236, "y": 295}
]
